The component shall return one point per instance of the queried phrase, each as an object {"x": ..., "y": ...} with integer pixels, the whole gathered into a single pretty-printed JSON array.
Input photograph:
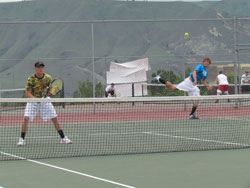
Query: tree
[
  {"x": 187, "y": 71},
  {"x": 99, "y": 90},
  {"x": 164, "y": 91},
  {"x": 231, "y": 78},
  {"x": 85, "y": 90}
]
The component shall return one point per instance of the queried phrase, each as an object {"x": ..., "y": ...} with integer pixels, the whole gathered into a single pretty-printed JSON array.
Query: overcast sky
[
  {"x": 4, "y": 1},
  {"x": 174, "y": 0}
]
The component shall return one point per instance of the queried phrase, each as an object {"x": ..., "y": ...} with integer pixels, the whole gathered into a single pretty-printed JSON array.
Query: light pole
[{"x": 93, "y": 58}]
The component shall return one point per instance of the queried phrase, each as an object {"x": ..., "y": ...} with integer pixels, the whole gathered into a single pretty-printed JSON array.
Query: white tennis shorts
[
  {"x": 45, "y": 109},
  {"x": 187, "y": 85}
]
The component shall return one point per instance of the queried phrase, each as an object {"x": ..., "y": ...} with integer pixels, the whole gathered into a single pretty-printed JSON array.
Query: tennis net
[
  {"x": 126, "y": 126},
  {"x": 12, "y": 93}
]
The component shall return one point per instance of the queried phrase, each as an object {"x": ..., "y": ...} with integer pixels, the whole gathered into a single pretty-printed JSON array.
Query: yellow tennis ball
[{"x": 186, "y": 34}]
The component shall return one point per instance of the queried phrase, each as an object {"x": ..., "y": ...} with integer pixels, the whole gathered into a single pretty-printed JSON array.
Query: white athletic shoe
[
  {"x": 156, "y": 79},
  {"x": 21, "y": 142},
  {"x": 192, "y": 116},
  {"x": 66, "y": 140}
]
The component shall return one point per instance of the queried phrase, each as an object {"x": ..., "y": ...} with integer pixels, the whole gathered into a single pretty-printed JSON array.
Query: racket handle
[{"x": 47, "y": 92}]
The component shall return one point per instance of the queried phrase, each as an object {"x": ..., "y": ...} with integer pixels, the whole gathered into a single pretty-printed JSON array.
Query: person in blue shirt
[{"x": 190, "y": 83}]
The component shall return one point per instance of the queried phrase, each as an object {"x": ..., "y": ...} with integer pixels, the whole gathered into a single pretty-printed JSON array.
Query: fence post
[
  {"x": 133, "y": 92},
  {"x": 93, "y": 58},
  {"x": 236, "y": 59},
  {"x": 63, "y": 95}
]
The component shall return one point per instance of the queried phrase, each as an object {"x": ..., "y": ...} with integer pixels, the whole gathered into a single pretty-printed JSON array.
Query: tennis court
[{"x": 152, "y": 130}]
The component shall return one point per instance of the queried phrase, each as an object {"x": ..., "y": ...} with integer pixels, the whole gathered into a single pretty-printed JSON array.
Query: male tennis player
[
  {"x": 190, "y": 83},
  {"x": 110, "y": 90},
  {"x": 36, "y": 87},
  {"x": 245, "y": 81},
  {"x": 222, "y": 81}
]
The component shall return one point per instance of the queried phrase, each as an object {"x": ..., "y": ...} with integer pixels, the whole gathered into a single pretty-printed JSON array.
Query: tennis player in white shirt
[{"x": 223, "y": 85}]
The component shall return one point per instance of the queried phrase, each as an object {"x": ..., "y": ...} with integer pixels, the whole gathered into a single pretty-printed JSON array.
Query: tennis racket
[
  {"x": 118, "y": 94},
  {"x": 54, "y": 88}
]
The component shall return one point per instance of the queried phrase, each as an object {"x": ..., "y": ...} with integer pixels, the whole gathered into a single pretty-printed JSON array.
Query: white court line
[
  {"x": 175, "y": 131},
  {"x": 90, "y": 124},
  {"x": 103, "y": 134},
  {"x": 197, "y": 139},
  {"x": 74, "y": 136},
  {"x": 125, "y": 123},
  {"x": 68, "y": 170}
]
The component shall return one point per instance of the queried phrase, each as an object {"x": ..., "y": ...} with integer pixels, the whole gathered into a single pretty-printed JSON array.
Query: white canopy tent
[{"x": 129, "y": 77}]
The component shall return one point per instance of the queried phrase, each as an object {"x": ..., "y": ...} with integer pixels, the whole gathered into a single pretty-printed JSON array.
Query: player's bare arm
[
  {"x": 29, "y": 94},
  {"x": 204, "y": 82},
  {"x": 217, "y": 81},
  {"x": 195, "y": 77}
]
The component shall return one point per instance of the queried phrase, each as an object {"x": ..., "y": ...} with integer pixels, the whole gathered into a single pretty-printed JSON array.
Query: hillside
[
  {"x": 238, "y": 8},
  {"x": 66, "y": 48}
]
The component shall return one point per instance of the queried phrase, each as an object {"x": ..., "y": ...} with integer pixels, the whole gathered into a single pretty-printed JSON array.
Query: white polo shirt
[
  {"x": 110, "y": 89},
  {"x": 222, "y": 79},
  {"x": 245, "y": 78}
]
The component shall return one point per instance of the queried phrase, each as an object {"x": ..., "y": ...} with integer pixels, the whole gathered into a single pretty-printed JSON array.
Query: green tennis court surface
[
  {"x": 181, "y": 169},
  {"x": 206, "y": 169}
]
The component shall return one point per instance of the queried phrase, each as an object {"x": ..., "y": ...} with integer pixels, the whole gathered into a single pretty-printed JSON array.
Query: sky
[
  {"x": 4, "y": 1},
  {"x": 7, "y": 1},
  {"x": 175, "y": 0}
]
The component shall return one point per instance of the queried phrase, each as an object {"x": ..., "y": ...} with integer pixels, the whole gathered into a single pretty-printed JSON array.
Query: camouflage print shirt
[{"x": 38, "y": 86}]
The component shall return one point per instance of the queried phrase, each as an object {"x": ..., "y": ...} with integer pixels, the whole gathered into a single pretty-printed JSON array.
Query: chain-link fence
[{"x": 82, "y": 50}]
